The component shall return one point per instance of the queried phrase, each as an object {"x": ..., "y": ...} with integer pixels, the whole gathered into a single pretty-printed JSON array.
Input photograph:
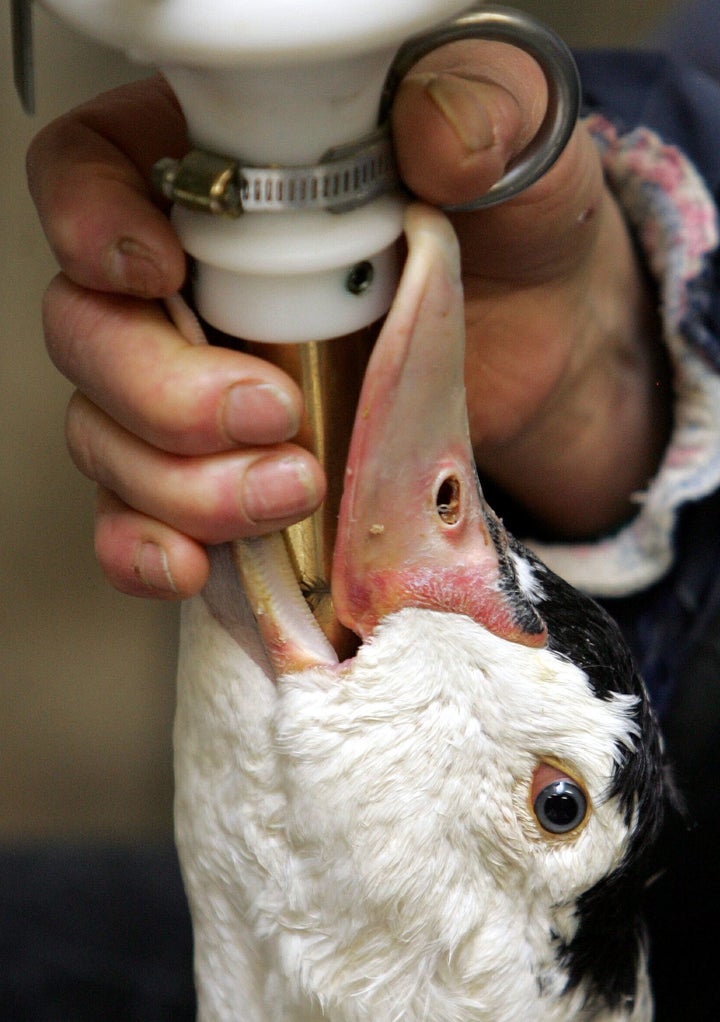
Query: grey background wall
[{"x": 86, "y": 675}]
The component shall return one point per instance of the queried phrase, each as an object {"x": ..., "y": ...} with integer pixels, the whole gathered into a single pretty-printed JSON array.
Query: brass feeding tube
[{"x": 330, "y": 374}]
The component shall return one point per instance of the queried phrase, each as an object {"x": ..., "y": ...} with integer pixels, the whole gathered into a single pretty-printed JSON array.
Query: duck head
[{"x": 414, "y": 528}]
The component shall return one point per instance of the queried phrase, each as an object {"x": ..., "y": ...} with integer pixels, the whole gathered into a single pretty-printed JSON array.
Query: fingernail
[
  {"x": 132, "y": 267},
  {"x": 461, "y": 102},
  {"x": 153, "y": 570},
  {"x": 256, "y": 412},
  {"x": 278, "y": 487}
]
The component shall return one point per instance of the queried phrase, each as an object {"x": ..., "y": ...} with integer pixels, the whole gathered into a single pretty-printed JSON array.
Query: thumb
[
  {"x": 461, "y": 115},
  {"x": 459, "y": 118}
]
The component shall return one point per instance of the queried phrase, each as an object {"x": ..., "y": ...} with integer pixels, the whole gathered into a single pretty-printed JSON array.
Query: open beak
[{"x": 414, "y": 529}]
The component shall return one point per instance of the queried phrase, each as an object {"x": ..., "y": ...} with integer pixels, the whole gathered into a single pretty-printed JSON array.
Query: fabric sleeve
[{"x": 673, "y": 214}]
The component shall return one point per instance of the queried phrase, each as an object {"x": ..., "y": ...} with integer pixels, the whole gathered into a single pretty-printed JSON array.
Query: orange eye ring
[{"x": 558, "y": 801}]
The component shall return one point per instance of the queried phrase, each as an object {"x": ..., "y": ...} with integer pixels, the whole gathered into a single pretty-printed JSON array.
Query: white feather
[{"x": 358, "y": 842}]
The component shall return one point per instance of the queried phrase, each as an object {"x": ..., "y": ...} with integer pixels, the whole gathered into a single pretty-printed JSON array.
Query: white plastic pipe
[{"x": 276, "y": 82}]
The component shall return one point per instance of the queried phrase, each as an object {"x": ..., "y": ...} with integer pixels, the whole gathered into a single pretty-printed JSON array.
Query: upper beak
[{"x": 414, "y": 528}]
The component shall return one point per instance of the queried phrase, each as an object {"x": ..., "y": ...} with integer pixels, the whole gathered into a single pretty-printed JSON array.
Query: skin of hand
[{"x": 192, "y": 444}]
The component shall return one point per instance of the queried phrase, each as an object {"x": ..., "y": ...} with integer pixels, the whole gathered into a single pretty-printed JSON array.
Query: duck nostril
[{"x": 447, "y": 500}]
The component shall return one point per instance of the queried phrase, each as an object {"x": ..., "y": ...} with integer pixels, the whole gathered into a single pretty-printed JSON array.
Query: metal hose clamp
[
  {"x": 346, "y": 177},
  {"x": 496, "y": 23}
]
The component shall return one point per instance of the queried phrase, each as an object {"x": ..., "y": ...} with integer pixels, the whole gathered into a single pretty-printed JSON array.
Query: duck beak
[{"x": 414, "y": 529}]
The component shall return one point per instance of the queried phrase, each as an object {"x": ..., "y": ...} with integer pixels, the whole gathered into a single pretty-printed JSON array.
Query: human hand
[
  {"x": 150, "y": 420},
  {"x": 189, "y": 444}
]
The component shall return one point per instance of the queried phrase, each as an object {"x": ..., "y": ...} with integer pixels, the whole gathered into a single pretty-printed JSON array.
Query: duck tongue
[{"x": 414, "y": 529}]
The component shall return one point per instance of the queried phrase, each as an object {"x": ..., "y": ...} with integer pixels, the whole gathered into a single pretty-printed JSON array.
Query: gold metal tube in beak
[{"x": 330, "y": 374}]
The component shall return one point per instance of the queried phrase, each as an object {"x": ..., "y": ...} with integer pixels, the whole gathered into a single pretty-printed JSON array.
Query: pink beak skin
[{"x": 414, "y": 529}]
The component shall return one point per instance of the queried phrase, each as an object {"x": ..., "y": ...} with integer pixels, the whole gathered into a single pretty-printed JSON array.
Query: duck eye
[
  {"x": 559, "y": 803},
  {"x": 560, "y": 807}
]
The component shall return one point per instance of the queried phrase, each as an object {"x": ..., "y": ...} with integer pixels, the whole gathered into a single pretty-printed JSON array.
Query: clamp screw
[{"x": 201, "y": 181}]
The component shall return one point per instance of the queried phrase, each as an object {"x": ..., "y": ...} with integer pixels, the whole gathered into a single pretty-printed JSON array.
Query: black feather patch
[
  {"x": 524, "y": 610},
  {"x": 603, "y": 956}
]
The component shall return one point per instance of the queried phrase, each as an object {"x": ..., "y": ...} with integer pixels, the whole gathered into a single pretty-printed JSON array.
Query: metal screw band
[{"x": 346, "y": 177}]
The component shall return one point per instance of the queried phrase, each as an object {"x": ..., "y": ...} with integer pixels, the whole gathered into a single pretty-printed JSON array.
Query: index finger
[{"x": 89, "y": 174}]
